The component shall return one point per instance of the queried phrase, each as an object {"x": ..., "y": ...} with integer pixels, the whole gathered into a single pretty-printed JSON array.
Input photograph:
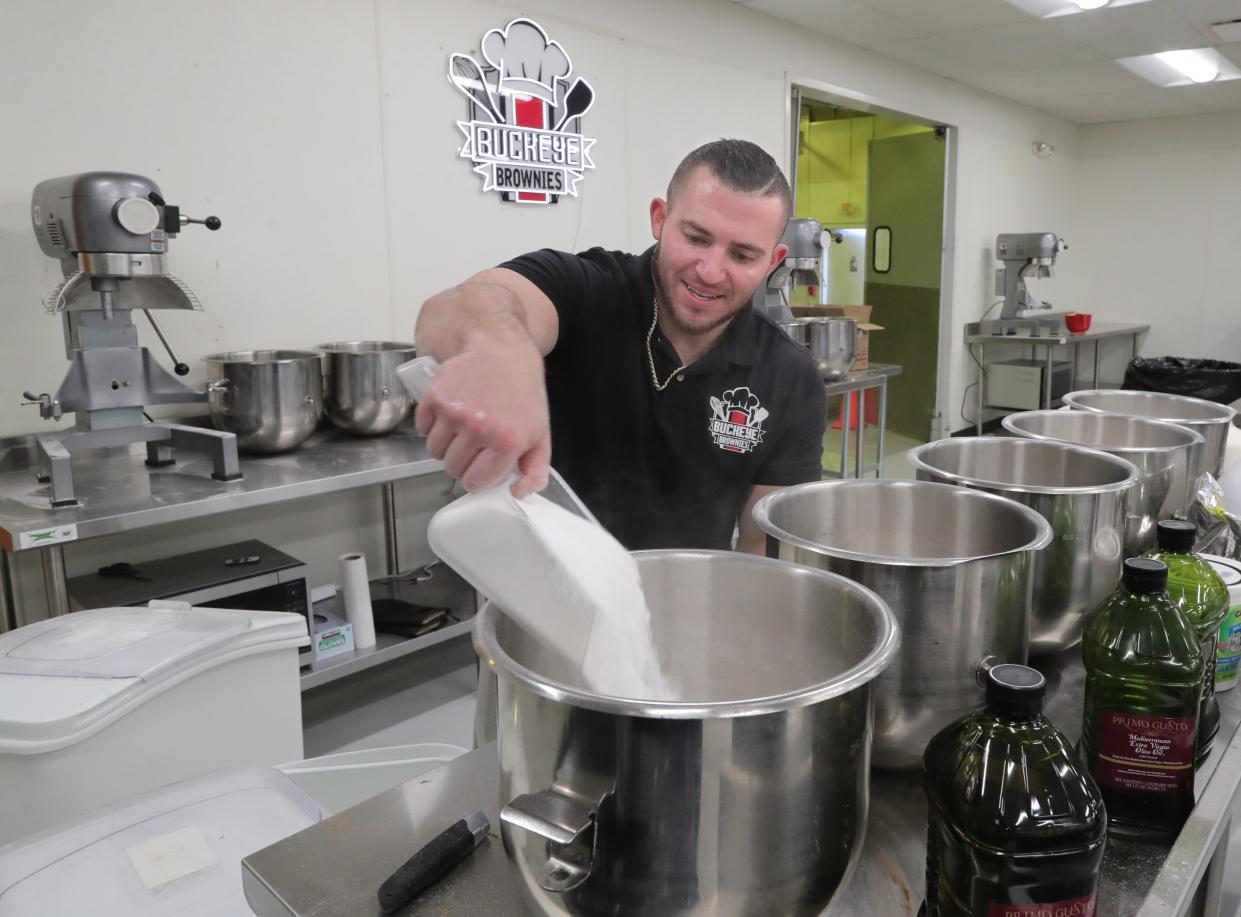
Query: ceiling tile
[
  {"x": 1142, "y": 28},
  {"x": 849, "y": 20},
  {"x": 1232, "y": 52},
  {"x": 957, "y": 56},
  {"x": 1199, "y": 13},
  {"x": 1023, "y": 46},
  {"x": 937, "y": 17},
  {"x": 1219, "y": 96},
  {"x": 1091, "y": 77},
  {"x": 1130, "y": 105}
]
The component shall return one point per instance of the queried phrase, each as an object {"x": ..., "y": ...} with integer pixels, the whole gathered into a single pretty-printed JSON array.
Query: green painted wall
[
  {"x": 907, "y": 194},
  {"x": 832, "y": 166}
]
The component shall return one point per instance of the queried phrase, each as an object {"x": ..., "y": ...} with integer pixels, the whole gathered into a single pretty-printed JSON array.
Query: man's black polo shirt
[{"x": 668, "y": 469}]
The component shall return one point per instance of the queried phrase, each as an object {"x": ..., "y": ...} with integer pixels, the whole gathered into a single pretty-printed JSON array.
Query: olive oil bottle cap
[
  {"x": 1176, "y": 536},
  {"x": 1016, "y": 690},
  {"x": 1144, "y": 576}
]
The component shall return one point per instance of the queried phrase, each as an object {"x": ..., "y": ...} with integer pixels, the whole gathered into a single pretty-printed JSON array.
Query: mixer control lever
[
  {"x": 212, "y": 223},
  {"x": 49, "y": 407},
  {"x": 181, "y": 369}
]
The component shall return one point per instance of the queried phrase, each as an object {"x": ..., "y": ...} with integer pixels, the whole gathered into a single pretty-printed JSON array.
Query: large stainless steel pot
[
  {"x": 271, "y": 399},
  {"x": 1082, "y": 492},
  {"x": 1160, "y": 451},
  {"x": 953, "y": 564},
  {"x": 747, "y": 798},
  {"x": 832, "y": 342},
  {"x": 363, "y": 394},
  {"x": 1207, "y": 418}
]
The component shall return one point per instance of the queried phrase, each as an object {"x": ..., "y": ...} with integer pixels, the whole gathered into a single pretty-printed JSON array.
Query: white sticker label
[
  {"x": 171, "y": 856},
  {"x": 41, "y": 538}
]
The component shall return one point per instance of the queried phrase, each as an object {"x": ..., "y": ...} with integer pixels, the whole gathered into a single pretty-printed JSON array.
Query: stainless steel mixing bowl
[
  {"x": 953, "y": 564},
  {"x": 1082, "y": 492},
  {"x": 832, "y": 342},
  {"x": 271, "y": 399},
  {"x": 362, "y": 392},
  {"x": 748, "y": 797},
  {"x": 1207, "y": 418},
  {"x": 1160, "y": 451}
]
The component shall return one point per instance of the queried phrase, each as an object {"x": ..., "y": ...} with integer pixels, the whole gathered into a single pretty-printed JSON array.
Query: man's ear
[
  {"x": 659, "y": 215},
  {"x": 777, "y": 256}
]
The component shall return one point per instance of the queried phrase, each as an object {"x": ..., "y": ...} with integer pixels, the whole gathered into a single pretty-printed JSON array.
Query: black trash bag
[{"x": 1214, "y": 380}]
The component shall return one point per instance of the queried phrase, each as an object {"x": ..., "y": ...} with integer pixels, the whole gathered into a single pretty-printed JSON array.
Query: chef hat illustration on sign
[{"x": 523, "y": 114}]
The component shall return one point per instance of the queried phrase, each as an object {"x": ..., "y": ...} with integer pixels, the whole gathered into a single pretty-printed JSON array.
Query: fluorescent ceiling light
[
  {"x": 1050, "y": 9},
  {"x": 1182, "y": 68},
  {"x": 1195, "y": 64}
]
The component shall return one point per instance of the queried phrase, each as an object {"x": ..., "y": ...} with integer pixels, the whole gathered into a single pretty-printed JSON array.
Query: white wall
[
  {"x": 322, "y": 134},
  {"x": 1160, "y": 227}
]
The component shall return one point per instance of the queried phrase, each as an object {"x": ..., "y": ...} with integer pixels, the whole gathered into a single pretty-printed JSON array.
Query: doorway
[{"x": 858, "y": 167}]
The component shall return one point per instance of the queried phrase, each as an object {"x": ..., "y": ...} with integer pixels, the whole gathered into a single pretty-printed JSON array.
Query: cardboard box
[{"x": 861, "y": 313}]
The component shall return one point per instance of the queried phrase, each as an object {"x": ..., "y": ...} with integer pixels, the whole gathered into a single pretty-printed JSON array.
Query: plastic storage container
[
  {"x": 100, "y": 705},
  {"x": 174, "y": 851},
  {"x": 340, "y": 781},
  {"x": 1228, "y": 651}
]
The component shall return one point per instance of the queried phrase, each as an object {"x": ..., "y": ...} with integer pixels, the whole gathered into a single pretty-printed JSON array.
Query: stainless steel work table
[
  {"x": 1099, "y": 331},
  {"x": 876, "y": 375},
  {"x": 334, "y": 868},
  {"x": 117, "y": 492}
]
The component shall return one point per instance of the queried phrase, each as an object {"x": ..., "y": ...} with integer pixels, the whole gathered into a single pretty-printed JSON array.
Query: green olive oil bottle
[
  {"x": 1202, "y": 596},
  {"x": 1143, "y": 691},
  {"x": 1016, "y": 826}
]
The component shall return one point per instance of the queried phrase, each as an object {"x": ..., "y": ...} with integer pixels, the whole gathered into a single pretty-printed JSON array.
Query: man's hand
[{"x": 486, "y": 409}]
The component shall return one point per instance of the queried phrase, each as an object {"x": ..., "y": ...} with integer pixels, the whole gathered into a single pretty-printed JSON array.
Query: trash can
[{"x": 1213, "y": 380}]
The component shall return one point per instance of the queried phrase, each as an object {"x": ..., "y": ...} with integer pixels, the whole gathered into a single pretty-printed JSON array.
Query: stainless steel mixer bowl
[
  {"x": 1160, "y": 451},
  {"x": 271, "y": 399},
  {"x": 1209, "y": 419},
  {"x": 1082, "y": 493},
  {"x": 362, "y": 393},
  {"x": 954, "y": 565},
  {"x": 832, "y": 342},
  {"x": 748, "y": 797}
]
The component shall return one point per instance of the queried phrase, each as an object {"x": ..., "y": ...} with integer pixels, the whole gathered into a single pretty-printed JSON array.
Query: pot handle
[
  {"x": 218, "y": 391},
  {"x": 984, "y": 667},
  {"x": 568, "y": 825}
]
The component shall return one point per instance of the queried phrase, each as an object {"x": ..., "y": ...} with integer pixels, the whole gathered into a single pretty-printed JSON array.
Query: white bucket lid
[
  {"x": 63, "y": 679},
  {"x": 1229, "y": 571},
  {"x": 175, "y": 850}
]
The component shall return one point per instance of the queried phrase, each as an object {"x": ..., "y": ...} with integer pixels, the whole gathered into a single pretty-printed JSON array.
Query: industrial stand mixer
[{"x": 110, "y": 232}]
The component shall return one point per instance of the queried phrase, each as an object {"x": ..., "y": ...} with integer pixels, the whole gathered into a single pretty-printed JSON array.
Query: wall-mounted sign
[{"x": 524, "y": 133}]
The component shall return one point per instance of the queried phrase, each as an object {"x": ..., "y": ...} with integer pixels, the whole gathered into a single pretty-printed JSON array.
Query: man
[{"x": 666, "y": 402}]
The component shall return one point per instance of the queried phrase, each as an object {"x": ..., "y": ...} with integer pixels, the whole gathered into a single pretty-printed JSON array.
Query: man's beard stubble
[{"x": 667, "y": 313}]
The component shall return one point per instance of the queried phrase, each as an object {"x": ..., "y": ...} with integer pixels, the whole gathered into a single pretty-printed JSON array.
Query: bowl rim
[
  {"x": 915, "y": 457},
  {"x": 1195, "y": 438},
  {"x": 487, "y": 645},
  {"x": 762, "y": 518},
  {"x": 1227, "y": 412}
]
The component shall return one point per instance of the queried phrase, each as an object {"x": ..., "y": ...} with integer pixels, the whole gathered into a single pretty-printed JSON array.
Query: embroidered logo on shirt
[{"x": 737, "y": 420}]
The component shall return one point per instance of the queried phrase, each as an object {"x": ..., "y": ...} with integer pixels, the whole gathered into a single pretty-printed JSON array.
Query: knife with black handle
[{"x": 433, "y": 861}]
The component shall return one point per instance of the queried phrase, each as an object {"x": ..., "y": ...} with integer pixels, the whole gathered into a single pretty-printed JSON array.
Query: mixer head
[{"x": 106, "y": 228}]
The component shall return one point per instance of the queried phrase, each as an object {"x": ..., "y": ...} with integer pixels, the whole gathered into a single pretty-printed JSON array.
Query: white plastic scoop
[{"x": 553, "y": 569}]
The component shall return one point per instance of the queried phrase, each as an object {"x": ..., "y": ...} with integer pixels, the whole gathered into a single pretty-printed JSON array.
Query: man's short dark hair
[{"x": 738, "y": 164}]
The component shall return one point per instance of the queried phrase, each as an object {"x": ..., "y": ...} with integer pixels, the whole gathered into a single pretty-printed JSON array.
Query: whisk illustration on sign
[{"x": 525, "y": 107}]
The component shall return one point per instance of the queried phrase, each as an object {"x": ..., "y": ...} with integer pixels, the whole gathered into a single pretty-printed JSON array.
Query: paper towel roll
[{"x": 356, "y": 589}]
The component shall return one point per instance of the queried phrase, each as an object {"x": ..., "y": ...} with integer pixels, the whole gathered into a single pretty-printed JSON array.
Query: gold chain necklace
[{"x": 651, "y": 356}]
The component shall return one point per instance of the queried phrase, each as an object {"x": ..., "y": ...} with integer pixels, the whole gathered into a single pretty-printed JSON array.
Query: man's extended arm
[{"x": 486, "y": 410}]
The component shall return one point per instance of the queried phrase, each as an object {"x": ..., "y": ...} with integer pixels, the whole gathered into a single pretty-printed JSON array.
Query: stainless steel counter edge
[
  {"x": 1098, "y": 331},
  {"x": 119, "y": 493},
  {"x": 1203, "y": 836}
]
